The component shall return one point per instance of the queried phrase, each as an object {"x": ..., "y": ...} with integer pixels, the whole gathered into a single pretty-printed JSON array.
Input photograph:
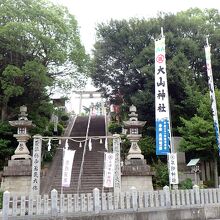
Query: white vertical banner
[
  {"x": 161, "y": 100},
  {"x": 67, "y": 167},
  {"x": 36, "y": 165},
  {"x": 108, "y": 180},
  {"x": 172, "y": 166},
  {"x": 212, "y": 93}
]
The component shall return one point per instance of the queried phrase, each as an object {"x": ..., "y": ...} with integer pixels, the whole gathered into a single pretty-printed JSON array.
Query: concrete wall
[{"x": 197, "y": 213}]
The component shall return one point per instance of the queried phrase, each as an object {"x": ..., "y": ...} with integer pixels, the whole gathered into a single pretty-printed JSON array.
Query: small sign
[{"x": 172, "y": 166}]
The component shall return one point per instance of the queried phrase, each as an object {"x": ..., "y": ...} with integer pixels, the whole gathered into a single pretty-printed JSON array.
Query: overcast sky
[{"x": 89, "y": 13}]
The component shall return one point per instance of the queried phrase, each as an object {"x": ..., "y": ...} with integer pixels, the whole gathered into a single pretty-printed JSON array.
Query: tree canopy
[
  {"x": 40, "y": 50},
  {"x": 123, "y": 63},
  {"x": 198, "y": 133},
  {"x": 40, "y": 44}
]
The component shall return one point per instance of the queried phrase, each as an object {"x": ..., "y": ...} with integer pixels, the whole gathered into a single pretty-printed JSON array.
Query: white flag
[
  {"x": 212, "y": 93},
  {"x": 67, "y": 167},
  {"x": 109, "y": 170}
]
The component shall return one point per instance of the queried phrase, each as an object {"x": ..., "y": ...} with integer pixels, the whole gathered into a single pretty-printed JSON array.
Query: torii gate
[{"x": 90, "y": 96}]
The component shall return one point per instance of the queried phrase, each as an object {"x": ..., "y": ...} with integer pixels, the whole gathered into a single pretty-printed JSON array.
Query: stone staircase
[{"x": 92, "y": 175}]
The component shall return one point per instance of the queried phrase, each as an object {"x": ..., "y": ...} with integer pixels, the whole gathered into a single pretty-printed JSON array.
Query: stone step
[{"x": 92, "y": 176}]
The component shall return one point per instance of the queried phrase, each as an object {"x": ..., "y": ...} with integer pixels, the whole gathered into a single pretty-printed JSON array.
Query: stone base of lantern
[
  {"x": 16, "y": 177},
  {"x": 21, "y": 157},
  {"x": 136, "y": 173}
]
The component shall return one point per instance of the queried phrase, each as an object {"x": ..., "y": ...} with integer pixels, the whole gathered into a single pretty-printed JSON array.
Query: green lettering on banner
[{"x": 160, "y": 49}]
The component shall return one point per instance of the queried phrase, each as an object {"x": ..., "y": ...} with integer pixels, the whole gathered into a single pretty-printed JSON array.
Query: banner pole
[{"x": 61, "y": 190}]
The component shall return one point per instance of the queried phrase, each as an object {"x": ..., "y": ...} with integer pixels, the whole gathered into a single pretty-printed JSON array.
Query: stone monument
[
  {"x": 16, "y": 177},
  {"x": 135, "y": 172}
]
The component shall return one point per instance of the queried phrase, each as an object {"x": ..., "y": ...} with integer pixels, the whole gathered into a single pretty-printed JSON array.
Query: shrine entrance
[{"x": 89, "y": 95}]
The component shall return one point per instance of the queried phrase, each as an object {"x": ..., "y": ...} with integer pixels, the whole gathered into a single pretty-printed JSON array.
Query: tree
[
  {"x": 147, "y": 146},
  {"x": 198, "y": 135},
  {"x": 123, "y": 63},
  {"x": 40, "y": 50},
  {"x": 40, "y": 45}
]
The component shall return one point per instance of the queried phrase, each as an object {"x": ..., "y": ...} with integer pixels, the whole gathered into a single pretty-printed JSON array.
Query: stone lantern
[
  {"x": 16, "y": 177},
  {"x": 135, "y": 173},
  {"x": 22, "y": 136},
  {"x": 133, "y": 126}
]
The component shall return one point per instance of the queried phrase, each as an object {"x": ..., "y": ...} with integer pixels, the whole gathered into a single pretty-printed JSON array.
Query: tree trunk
[
  {"x": 4, "y": 112},
  {"x": 216, "y": 171}
]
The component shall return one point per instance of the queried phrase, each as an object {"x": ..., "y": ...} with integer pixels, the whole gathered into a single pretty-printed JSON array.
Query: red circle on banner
[{"x": 160, "y": 58}]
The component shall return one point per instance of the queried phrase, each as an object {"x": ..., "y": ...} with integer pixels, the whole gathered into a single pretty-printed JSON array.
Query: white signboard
[
  {"x": 36, "y": 165},
  {"x": 172, "y": 166},
  {"x": 67, "y": 167},
  {"x": 109, "y": 170}
]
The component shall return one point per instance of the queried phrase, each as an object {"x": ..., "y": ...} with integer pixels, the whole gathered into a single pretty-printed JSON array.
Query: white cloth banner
[
  {"x": 212, "y": 93},
  {"x": 161, "y": 100},
  {"x": 172, "y": 166},
  {"x": 109, "y": 170},
  {"x": 67, "y": 167}
]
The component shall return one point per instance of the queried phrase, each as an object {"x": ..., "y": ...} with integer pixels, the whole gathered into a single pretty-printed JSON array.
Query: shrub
[
  {"x": 186, "y": 184},
  {"x": 115, "y": 128},
  {"x": 161, "y": 177},
  {"x": 209, "y": 183},
  {"x": 64, "y": 118}
]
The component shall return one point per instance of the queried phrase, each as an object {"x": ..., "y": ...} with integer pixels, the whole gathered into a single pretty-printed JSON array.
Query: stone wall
[
  {"x": 19, "y": 185},
  {"x": 141, "y": 183},
  {"x": 194, "y": 213},
  {"x": 163, "y": 204}
]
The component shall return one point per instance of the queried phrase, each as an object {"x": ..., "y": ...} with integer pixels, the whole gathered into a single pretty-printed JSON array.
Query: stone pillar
[
  {"x": 166, "y": 190},
  {"x": 5, "y": 211},
  {"x": 116, "y": 150},
  {"x": 54, "y": 207},
  {"x": 96, "y": 200},
  {"x": 36, "y": 165}
]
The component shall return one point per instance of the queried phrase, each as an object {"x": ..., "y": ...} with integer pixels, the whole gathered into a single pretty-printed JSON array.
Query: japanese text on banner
[
  {"x": 161, "y": 100},
  {"x": 67, "y": 167},
  {"x": 109, "y": 170},
  {"x": 36, "y": 166},
  {"x": 173, "y": 171}
]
